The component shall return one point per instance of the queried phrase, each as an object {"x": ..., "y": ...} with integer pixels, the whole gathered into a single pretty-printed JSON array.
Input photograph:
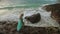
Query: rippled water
[
  {"x": 10, "y": 9},
  {"x": 24, "y": 3}
]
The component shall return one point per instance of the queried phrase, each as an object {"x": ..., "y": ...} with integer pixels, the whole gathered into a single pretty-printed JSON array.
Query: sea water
[{"x": 10, "y": 10}]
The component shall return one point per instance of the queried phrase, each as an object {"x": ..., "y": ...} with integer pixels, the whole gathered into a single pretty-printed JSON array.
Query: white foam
[
  {"x": 13, "y": 15},
  {"x": 46, "y": 20}
]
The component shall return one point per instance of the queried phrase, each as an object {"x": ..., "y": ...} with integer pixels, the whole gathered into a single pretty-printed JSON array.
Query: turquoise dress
[{"x": 19, "y": 25}]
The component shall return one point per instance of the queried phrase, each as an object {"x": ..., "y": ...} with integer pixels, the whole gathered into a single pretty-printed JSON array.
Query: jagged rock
[
  {"x": 55, "y": 11},
  {"x": 35, "y": 18},
  {"x": 11, "y": 29},
  {"x": 56, "y": 15},
  {"x": 52, "y": 7}
]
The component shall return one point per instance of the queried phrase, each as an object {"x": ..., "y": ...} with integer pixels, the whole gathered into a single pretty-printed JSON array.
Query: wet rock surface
[
  {"x": 7, "y": 27},
  {"x": 56, "y": 15},
  {"x": 52, "y": 7},
  {"x": 55, "y": 11},
  {"x": 35, "y": 18}
]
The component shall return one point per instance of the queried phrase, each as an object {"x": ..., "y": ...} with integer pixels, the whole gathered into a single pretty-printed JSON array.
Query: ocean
[
  {"x": 24, "y": 3},
  {"x": 10, "y": 9}
]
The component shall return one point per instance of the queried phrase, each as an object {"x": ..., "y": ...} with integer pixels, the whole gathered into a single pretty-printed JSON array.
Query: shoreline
[{"x": 10, "y": 28}]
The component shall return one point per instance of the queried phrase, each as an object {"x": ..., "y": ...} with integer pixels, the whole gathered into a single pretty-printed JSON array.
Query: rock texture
[
  {"x": 7, "y": 27},
  {"x": 55, "y": 11},
  {"x": 35, "y": 18},
  {"x": 52, "y": 7}
]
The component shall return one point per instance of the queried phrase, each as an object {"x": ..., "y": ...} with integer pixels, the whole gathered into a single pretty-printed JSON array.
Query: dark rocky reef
[
  {"x": 55, "y": 11},
  {"x": 35, "y": 18},
  {"x": 56, "y": 15},
  {"x": 10, "y": 28},
  {"x": 52, "y": 7}
]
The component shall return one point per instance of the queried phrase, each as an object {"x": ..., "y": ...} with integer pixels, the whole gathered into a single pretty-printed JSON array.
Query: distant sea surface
[
  {"x": 10, "y": 9},
  {"x": 6, "y": 4}
]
